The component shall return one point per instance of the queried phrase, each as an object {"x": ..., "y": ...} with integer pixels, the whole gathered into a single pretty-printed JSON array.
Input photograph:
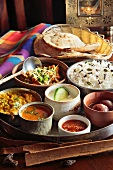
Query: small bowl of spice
[
  {"x": 36, "y": 117},
  {"x": 73, "y": 125}
]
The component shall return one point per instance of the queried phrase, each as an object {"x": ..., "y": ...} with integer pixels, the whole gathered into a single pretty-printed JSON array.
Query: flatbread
[
  {"x": 62, "y": 41},
  {"x": 87, "y": 47},
  {"x": 87, "y": 50},
  {"x": 41, "y": 47},
  {"x": 75, "y": 54}
]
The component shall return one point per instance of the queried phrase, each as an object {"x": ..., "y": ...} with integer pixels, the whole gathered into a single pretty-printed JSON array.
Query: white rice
[{"x": 93, "y": 74}]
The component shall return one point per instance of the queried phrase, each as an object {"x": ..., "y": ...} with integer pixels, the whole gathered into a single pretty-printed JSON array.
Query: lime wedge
[{"x": 60, "y": 93}]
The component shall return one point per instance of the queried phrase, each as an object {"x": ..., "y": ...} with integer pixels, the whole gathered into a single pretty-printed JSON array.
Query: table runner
[{"x": 16, "y": 46}]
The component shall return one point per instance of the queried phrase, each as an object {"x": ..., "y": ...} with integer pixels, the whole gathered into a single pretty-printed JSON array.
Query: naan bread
[
  {"x": 87, "y": 47},
  {"x": 87, "y": 50},
  {"x": 41, "y": 47},
  {"x": 63, "y": 40},
  {"x": 75, "y": 54}
]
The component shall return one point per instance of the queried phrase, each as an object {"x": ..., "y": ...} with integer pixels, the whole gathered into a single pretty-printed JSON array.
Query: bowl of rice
[{"x": 91, "y": 75}]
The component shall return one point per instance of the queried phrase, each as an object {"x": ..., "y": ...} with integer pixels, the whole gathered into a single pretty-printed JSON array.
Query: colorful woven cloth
[{"x": 16, "y": 46}]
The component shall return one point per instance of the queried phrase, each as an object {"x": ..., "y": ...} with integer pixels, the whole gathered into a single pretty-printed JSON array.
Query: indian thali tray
[
  {"x": 16, "y": 133},
  {"x": 96, "y": 134}
]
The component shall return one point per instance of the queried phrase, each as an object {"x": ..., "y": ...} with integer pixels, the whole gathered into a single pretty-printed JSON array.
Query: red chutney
[
  {"x": 74, "y": 125},
  {"x": 34, "y": 113}
]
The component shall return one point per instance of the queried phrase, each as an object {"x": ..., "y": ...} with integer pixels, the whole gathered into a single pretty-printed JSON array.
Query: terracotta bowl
[
  {"x": 45, "y": 62},
  {"x": 98, "y": 118}
]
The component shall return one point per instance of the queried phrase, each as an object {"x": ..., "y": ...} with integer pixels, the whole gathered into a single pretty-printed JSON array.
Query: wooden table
[{"x": 102, "y": 161}]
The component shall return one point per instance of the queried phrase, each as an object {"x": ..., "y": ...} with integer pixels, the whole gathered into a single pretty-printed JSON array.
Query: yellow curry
[{"x": 11, "y": 101}]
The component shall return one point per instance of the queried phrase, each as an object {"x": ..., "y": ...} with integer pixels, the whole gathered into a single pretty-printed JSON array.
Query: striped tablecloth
[{"x": 16, "y": 46}]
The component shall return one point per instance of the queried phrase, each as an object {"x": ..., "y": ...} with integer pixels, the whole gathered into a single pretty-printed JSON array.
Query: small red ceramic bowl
[{"x": 98, "y": 108}]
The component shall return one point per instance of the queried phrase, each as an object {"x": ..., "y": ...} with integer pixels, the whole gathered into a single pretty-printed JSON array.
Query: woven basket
[{"x": 85, "y": 35}]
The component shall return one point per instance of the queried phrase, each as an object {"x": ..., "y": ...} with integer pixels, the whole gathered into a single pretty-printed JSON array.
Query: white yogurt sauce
[{"x": 70, "y": 97}]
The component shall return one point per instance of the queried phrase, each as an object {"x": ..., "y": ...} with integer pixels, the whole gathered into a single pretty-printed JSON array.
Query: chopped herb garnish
[
  {"x": 3, "y": 101},
  {"x": 33, "y": 111},
  {"x": 100, "y": 82},
  {"x": 104, "y": 76},
  {"x": 89, "y": 69},
  {"x": 105, "y": 70},
  {"x": 16, "y": 98},
  {"x": 89, "y": 73},
  {"x": 89, "y": 83},
  {"x": 80, "y": 71},
  {"x": 16, "y": 104},
  {"x": 85, "y": 75}
]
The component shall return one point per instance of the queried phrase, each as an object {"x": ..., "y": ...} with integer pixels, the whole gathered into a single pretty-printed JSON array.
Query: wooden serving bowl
[{"x": 45, "y": 62}]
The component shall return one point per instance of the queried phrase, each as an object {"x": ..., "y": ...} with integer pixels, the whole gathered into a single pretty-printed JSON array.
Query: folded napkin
[{"x": 16, "y": 46}]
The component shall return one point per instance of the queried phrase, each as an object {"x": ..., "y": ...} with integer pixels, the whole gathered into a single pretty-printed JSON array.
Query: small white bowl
[
  {"x": 63, "y": 132},
  {"x": 66, "y": 107}
]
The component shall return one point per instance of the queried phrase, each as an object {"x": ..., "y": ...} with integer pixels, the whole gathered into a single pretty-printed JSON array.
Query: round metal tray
[
  {"x": 16, "y": 133},
  {"x": 53, "y": 136}
]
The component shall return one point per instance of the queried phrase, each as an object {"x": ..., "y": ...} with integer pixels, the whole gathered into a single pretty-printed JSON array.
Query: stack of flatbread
[{"x": 62, "y": 45}]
